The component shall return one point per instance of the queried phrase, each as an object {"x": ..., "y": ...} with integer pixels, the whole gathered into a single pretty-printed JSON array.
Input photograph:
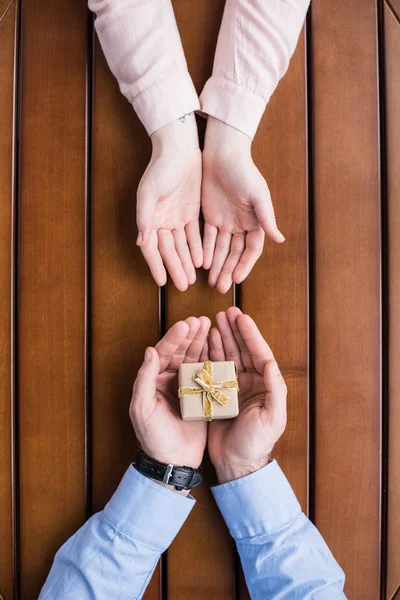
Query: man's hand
[
  {"x": 154, "y": 408},
  {"x": 168, "y": 204},
  {"x": 236, "y": 205},
  {"x": 243, "y": 445}
]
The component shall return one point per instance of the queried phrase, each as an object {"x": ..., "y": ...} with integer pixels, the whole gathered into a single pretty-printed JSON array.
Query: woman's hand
[
  {"x": 243, "y": 445},
  {"x": 168, "y": 204},
  {"x": 154, "y": 408},
  {"x": 236, "y": 205}
]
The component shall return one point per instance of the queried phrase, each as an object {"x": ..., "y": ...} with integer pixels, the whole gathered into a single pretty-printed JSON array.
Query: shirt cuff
[
  {"x": 166, "y": 101},
  {"x": 146, "y": 511},
  {"x": 233, "y": 104},
  {"x": 258, "y": 503}
]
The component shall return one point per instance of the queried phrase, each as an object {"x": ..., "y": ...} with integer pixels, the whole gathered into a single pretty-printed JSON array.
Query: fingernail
[
  {"x": 139, "y": 238},
  {"x": 148, "y": 355}
]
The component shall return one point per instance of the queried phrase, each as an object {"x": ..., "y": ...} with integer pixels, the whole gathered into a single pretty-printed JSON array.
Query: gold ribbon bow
[{"x": 210, "y": 389}]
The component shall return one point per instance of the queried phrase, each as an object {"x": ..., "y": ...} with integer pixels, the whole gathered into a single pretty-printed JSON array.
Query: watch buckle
[{"x": 167, "y": 474}]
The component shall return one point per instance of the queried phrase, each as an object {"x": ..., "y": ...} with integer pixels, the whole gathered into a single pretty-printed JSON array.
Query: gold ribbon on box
[{"x": 210, "y": 389}]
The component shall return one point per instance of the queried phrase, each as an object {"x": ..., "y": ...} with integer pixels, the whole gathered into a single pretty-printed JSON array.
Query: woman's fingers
[
  {"x": 216, "y": 348},
  {"x": 179, "y": 356},
  {"x": 196, "y": 348},
  {"x": 236, "y": 250},
  {"x": 209, "y": 239},
  {"x": 194, "y": 240},
  {"x": 220, "y": 255},
  {"x": 153, "y": 258},
  {"x": 182, "y": 249},
  {"x": 253, "y": 251},
  {"x": 169, "y": 344},
  {"x": 256, "y": 346},
  {"x": 171, "y": 259},
  {"x": 231, "y": 348}
]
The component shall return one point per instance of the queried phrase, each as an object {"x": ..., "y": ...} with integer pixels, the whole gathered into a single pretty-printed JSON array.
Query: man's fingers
[
  {"x": 182, "y": 249},
  {"x": 233, "y": 313},
  {"x": 146, "y": 202},
  {"x": 253, "y": 251},
  {"x": 170, "y": 343},
  {"x": 144, "y": 388},
  {"x": 275, "y": 396},
  {"x": 194, "y": 351},
  {"x": 231, "y": 348},
  {"x": 265, "y": 214},
  {"x": 171, "y": 259},
  {"x": 221, "y": 252},
  {"x": 154, "y": 260},
  {"x": 205, "y": 353},
  {"x": 209, "y": 239},
  {"x": 257, "y": 347},
  {"x": 216, "y": 347},
  {"x": 237, "y": 246},
  {"x": 179, "y": 355},
  {"x": 194, "y": 240}
]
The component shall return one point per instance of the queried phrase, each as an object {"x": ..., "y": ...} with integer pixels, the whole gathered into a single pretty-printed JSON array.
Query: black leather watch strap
[{"x": 182, "y": 478}]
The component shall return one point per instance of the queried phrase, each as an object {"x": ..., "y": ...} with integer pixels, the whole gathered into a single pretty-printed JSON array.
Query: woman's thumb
[{"x": 145, "y": 207}]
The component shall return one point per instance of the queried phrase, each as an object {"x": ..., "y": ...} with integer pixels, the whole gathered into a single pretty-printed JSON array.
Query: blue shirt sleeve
[
  {"x": 282, "y": 553},
  {"x": 115, "y": 553}
]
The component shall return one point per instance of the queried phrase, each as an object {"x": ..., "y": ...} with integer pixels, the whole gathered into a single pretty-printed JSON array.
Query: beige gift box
[{"x": 208, "y": 391}]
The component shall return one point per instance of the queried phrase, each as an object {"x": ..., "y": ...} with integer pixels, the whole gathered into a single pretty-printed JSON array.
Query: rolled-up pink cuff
[
  {"x": 166, "y": 101},
  {"x": 233, "y": 104}
]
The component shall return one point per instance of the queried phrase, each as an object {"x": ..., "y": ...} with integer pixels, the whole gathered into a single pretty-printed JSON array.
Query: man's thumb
[
  {"x": 275, "y": 387},
  {"x": 144, "y": 389}
]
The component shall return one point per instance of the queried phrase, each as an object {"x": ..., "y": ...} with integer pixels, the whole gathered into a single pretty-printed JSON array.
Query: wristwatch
[{"x": 182, "y": 478}]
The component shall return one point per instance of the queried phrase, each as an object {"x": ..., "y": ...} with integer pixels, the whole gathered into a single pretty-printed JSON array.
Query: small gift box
[{"x": 208, "y": 391}]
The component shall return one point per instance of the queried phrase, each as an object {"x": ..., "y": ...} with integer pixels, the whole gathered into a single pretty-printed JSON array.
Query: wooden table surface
[{"x": 78, "y": 306}]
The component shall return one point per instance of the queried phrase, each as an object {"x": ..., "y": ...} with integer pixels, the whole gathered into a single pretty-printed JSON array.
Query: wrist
[
  {"x": 179, "y": 136},
  {"x": 222, "y": 139},
  {"x": 173, "y": 475},
  {"x": 230, "y": 471}
]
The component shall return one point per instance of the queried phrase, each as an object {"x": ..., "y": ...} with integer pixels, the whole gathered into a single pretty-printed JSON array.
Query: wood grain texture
[
  {"x": 347, "y": 289},
  {"x": 392, "y": 51},
  {"x": 125, "y": 299},
  {"x": 8, "y": 42},
  {"x": 52, "y": 284},
  {"x": 211, "y": 573}
]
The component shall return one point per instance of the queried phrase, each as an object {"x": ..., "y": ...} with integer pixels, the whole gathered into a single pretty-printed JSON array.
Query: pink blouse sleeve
[
  {"x": 141, "y": 43},
  {"x": 256, "y": 41}
]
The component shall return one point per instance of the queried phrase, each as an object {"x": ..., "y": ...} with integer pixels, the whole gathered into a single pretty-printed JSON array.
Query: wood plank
[
  {"x": 52, "y": 284},
  {"x": 125, "y": 299},
  {"x": 392, "y": 52},
  {"x": 8, "y": 43},
  {"x": 347, "y": 288},
  {"x": 276, "y": 292},
  {"x": 211, "y": 575}
]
